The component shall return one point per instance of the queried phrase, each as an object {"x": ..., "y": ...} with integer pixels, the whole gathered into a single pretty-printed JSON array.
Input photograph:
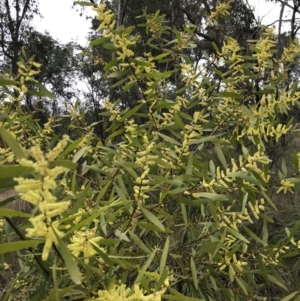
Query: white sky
[
  {"x": 65, "y": 24},
  {"x": 265, "y": 12}
]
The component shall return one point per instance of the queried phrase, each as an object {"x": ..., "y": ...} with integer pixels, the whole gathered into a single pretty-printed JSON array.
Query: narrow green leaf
[
  {"x": 71, "y": 147},
  {"x": 184, "y": 214},
  {"x": 3, "y": 117},
  {"x": 145, "y": 267},
  {"x": 109, "y": 242},
  {"x": 238, "y": 235},
  {"x": 168, "y": 139},
  {"x": 212, "y": 168},
  {"x": 79, "y": 203},
  {"x": 60, "y": 293},
  {"x": 122, "y": 235},
  {"x": 152, "y": 227},
  {"x": 141, "y": 63},
  {"x": 252, "y": 235},
  {"x": 245, "y": 176},
  {"x": 117, "y": 74},
  {"x": 153, "y": 219},
  {"x": 69, "y": 261},
  {"x": 84, "y": 3},
  {"x": 220, "y": 155},
  {"x": 160, "y": 56},
  {"x": 194, "y": 273},
  {"x": 241, "y": 284},
  {"x": 119, "y": 83},
  {"x": 128, "y": 86},
  {"x": 210, "y": 195},
  {"x": 11, "y": 213},
  {"x": 102, "y": 254},
  {"x": 189, "y": 167},
  {"x": 131, "y": 112},
  {"x": 229, "y": 94},
  {"x": 99, "y": 41},
  {"x": 19, "y": 245},
  {"x": 155, "y": 74},
  {"x": 178, "y": 121},
  {"x": 79, "y": 154},
  {"x": 12, "y": 143},
  {"x": 162, "y": 279},
  {"x": 115, "y": 134},
  {"x": 11, "y": 171},
  {"x": 290, "y": 296},
  {"x": 139, "y": 243},
  {"x": 284, "y": 168},
  {"x": 277, "y": 281},
  {"x": 216, "y": 48},
  {"x": 44, "y": 91},
  {"x": 7, "y": 82},
  {"x": 268, "y": 199},
  {"x": 110, "y": 64},
  {"x": 65, "y": 163},
  {"x": 265, "y": 232},
  {"x": 178, "y": 296},
  {"x": 110, "y": 46},
  {"x": 164, "y": 256},
  {"x": 86, "y": 221},
  {"x": 248, "y": 113}
]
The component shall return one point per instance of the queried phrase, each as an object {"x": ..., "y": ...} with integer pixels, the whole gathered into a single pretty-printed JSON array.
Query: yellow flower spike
[
  {"x": 25, "y": 185},
  {"x": 83, "y": 241},
  {"x": 286, "y": 186},
  {"x": 39, "y": 193},
  {"x": 121, "y": 293},
  {"x": 52, "y": 155}
]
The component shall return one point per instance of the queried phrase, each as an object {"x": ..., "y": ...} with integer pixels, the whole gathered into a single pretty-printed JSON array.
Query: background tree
[{"x": 15, "y": 22}]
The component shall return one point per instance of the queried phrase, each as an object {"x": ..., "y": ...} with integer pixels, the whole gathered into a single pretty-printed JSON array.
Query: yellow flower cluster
[
  {"x": 83, "y": 241},
  {"x": 121, "y": 293},
  {"x": 106, "y": 17},
  {"x": 114, "y": 112},
  {"x": 174, "y": 109},
  {"x": 230, "y": 51},
  {"x": 222, "y": 10},
  {"x": 222, "y": 178},
  {"x": 155, "y": 25},
  {"x": 188, "y": 73},
  {"x": 149, "y": 65},
  {"x": 290, "y": 52},
  {"x": 264, "y": 130},
  {"x": 234, "y": 219},
  {"x": 26, "y": 74},
  {"x": 144, "y": 159},
  {"x": 293, "y": 242},
  {"x": 272, "y": 257},
  {"x": 263, "y": 49},
  {"x": 2, "y": 222},
  {"x": 6, "y": 155},
  {"x": 182, "y": 42},
  {"x": 131, "y": 128},
  {"x": 232, "y": 263},
  {"x": 120, "y": 41},
  {"x": 38, "y": 192},
  {"x": 286, "y": 186}
]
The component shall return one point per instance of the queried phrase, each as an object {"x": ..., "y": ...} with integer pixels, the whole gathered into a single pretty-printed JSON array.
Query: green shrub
[{"x": 160, "y": 209}]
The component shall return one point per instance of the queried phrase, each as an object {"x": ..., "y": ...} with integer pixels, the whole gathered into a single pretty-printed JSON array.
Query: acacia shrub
[{"x": 151, "y": 213}]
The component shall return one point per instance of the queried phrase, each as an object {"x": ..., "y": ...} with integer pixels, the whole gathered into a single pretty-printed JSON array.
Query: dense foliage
[{"x": 176, "y": 199}]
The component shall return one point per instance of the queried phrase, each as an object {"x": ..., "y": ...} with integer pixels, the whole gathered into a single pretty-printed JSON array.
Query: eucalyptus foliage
[{"x": 168, "y": 206}]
